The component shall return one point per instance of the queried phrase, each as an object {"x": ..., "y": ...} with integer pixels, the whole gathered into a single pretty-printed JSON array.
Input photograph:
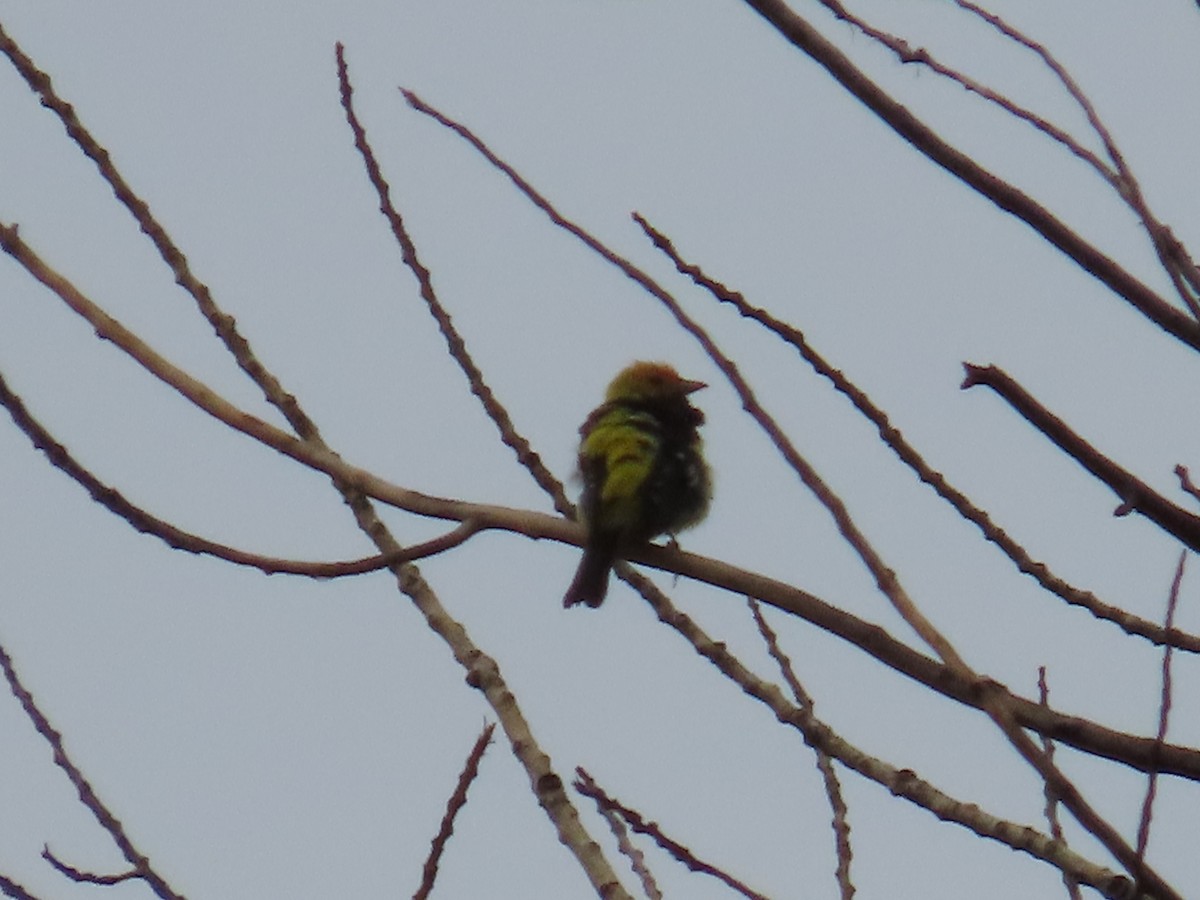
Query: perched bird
[{"x": 642, "y": 469}]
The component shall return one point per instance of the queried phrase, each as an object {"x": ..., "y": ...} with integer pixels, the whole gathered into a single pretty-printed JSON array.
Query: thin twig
[
  {"x": 222, "y": 324},
  {"x": 586, "y": 785},
  {"x": 483, "y": 672},
  {"x": 1164, "y": 717},
  {"x": 1056, "y": 829},
  {"x": 637, "y": 859},
  {"x": 895, "y": 440},
  {"x": 455, "y": 343},
  {"x": 82, "y": 877},
  {"x": 1171, "y": 253},
  {"x": 87, "y": 794},
  {"x": 146, "y": 523},
  {"x": 1135, "y": 494},
  {"x": 1006, "y": 196},
  {"x": 906, "y": 53},
  {"x": 453, "y": 806},
  {"x": 1185, "y": 482},
  {"x": 833, "y": 788}
]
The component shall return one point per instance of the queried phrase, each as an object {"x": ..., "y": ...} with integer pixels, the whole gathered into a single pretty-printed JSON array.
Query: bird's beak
[{"x": 690, "y": 387}]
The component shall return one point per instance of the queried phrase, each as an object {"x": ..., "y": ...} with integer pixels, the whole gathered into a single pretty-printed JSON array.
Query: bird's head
[{"x": 649, "y": 381}]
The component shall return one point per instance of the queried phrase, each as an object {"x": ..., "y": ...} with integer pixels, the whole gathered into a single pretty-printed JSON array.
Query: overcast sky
[{"x": 275, "y": 737}]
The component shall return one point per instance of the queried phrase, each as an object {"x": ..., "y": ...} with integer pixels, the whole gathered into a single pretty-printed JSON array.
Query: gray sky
[{"x": 274, "y": 737}]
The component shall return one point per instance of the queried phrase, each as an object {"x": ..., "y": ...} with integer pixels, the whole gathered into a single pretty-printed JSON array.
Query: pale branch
[
  {"x": 902, "y": 783},
  {"x": 637, "y": 859},
  {"x": 483, "y": 673}
]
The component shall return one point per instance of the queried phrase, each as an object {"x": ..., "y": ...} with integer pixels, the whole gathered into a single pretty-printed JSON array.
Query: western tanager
[{"x": 642, "y": 468}]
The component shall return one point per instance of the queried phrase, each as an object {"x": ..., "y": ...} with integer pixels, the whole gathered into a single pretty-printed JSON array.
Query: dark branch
[
  {"x": 1006, "y": 196},
  {"x": 1136, "y": 495},
  {"x": 456, "y": 802}
]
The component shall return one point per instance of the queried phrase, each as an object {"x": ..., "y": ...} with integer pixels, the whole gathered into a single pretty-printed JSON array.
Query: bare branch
[
  {"x": 303, "y": 451},
  {"x": 1174, "y": 257},
  {"x": 78, "y": 875},
  {"x": 483, "y": 673},
  {"x": 586, "y": 785},
  {"x": 637, "y": 859},
  {"x": 905, "y": 52},
  {"x": 456, "y": 802},
  {"x": 222, "y": 324},
  {"x": 993, "y": 702},
  {"x": 1056, "y": 829},
  {"x": 87, "y": 795},
  {"x": 785, "y": 597},
  {"x": 141, "y": 520},
  {"x": 10, "y": 888},
  {"x": 1164, "y": 715},
  {"x": 885, "y": 577},
  {"x": 1135, "y": 494},
  {"x": 833, "y": 788},
  {"x": 1006, "y": 196},
  {"x": 455, "y": 343},
  {"x": 895, "y": 440}
]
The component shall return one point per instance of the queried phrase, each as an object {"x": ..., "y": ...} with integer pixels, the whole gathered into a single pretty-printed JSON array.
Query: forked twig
[
  {"x": 586, "y": 785},
  {"x": 141, "y": 520},
  {"x": 87, "y": 794},
  {"x": 82, "y": 877}
]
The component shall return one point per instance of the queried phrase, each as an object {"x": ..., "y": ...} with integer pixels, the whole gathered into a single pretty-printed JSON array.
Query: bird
[{"x": 643, "y": 470}]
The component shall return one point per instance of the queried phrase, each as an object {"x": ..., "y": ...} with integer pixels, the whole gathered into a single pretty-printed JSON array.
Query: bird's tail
[{"x": 591, "y": 578}]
